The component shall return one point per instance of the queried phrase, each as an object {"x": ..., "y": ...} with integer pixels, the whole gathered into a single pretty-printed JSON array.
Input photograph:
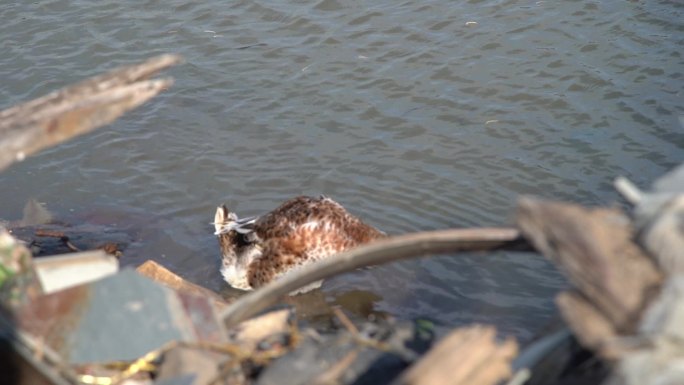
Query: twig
[
  {"x": 57, "y": 234},
  {"x": 354, "y": 331},
  {"x": 345, "y": 321},
  {"x": 69, "y": 245},
  {"x": 49, "y": 233},
  {"x": 379, "y": 252},
  {"x": 332, "y": 375}
]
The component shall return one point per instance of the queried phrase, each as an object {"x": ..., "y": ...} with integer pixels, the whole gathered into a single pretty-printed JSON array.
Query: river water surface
[{"x": 416, "y": 115}]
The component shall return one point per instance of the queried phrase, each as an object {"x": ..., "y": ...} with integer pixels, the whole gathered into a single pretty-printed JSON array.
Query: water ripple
[{"x": 409, "y": 113}]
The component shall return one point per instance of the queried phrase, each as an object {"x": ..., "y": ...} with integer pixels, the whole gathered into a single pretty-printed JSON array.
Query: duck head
[{"x": 239, "y": 247}]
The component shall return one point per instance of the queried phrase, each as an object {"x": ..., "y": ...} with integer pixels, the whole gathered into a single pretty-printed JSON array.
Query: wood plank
[{"x": 159, "y": 273}]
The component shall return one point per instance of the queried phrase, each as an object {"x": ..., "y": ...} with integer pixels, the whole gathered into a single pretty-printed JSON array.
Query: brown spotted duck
[{"x": 258, "y": 250}]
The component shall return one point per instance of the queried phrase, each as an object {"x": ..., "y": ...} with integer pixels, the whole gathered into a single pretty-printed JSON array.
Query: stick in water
[{"x": 376, "y": 253}]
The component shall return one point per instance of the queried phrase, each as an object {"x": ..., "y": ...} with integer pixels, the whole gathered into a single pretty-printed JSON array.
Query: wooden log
[
  {"x": 166, "y": 277},
  {"x": 379, "y": 252},
  {"x": 74, "y": 110},
  {"x": 467, "y": 356},
  {"x": 595, "y": 249}
]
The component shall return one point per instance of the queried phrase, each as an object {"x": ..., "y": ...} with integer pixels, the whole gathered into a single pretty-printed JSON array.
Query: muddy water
[{"x": 416, "y": 115}]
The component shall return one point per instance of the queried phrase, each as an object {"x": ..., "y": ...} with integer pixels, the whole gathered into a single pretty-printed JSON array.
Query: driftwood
[
  {"x": 60, "y": 115},
  {"x": 383, "y": 251},
  {"x": 614, "y": 279},
  {"x": 467, "y": 356},
  {"x": 166, "y": 277},
  {"x": 657, "y": 351}
]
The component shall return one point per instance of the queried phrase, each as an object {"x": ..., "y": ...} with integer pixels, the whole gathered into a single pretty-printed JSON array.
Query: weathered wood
[
  {"x": 74, "y": 110},
  {"x": 159, "y": 273},
  {"x": 594, "y": 247},
  {"x": 467, "y": 356},
  {"x": 379, "y": 252},
  {"x": 581, "y": 315}
]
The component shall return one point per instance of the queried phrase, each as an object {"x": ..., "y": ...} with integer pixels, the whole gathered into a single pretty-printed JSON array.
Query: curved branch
[{"x": 376, "y": 253}]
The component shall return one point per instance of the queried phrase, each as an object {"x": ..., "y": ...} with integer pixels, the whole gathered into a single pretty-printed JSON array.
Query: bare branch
[{"x": 379, "y": 252}]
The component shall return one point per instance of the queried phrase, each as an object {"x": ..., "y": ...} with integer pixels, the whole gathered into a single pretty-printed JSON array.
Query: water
[{"x": 405, "y": 112}]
